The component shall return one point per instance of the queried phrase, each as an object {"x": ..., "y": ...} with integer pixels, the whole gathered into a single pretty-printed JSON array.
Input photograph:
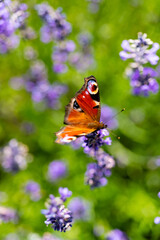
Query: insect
[{"x": 82, "y": 114}]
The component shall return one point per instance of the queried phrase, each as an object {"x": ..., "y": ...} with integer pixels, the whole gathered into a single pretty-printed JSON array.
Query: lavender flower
[
  {"x": 57, "y": 215},
  {"x": 14, "y": 156},
  {"x": 8, "y": 215},
  {"x": 12, "y": 15},
  {"x": 142, "y": 51},
  {"x": 143, "y": 82},
  {"x": 36, "y": 82},
  {"x": 83, "y": 59},
  {"x": 33, "y": 189},
  {"x": 65, "y": 193},
  {"x": 116, "y": 234},
  {"x": 55, "y": 25},
  {"x": 96, "y": 173},
  {"x": 139, "y": 50},
  {"x": 80, "y": 209},
  {"x": 61, "y": 54},
  {"x": 57, "y": 170},
  {"x": 94, "y": 140},
  {"x": 94, "y": 176}
]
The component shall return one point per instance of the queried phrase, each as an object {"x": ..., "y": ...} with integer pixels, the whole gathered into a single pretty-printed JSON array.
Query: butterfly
[{"x": 82, "y": 114}]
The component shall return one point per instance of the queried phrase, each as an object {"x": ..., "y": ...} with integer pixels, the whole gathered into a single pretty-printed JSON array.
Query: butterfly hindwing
[{"x": 70, "y": 133}]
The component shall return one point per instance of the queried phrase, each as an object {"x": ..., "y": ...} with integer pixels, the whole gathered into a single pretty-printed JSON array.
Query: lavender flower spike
[
  {"x": 142, "y": 51},
  {"x": 57, "y": 215},
  {"x": 97, "y": 173},
  {"x": 139, "y": 50},
  {"x": 8, "y": 215},
  {"x": 14, "y": 156}
]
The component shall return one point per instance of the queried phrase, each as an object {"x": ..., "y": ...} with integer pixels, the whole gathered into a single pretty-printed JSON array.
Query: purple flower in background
[
  {"x": 57, "y": 215},
  {"x": 107, "y": 117},
  {"x": 157, "y": 220},
  {"x": 55, "y": 25},
  {"x": 36, "y": 82},
  {"x": 83, "y": 59},
  {"x": 93, "y": 5},
  {"x": 141, "y": 51},
  {"x": 61, "y": 54},
  {"x": 57, "y": 170},
  {"x": 14, "y": 156},
  {"x": 33, "y": 189},
  {"x": 8, "y": 215},
  {"x": 12, "y": 15},
  {"x": 116, "y": 234},
  {"x": 36, "y": 75},
  {"x": 144, "y": 82},
  {"x": 80, "y": 209}
]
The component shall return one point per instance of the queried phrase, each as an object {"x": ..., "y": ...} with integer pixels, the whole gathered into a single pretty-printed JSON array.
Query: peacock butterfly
[{"x": 82, "y": 114}]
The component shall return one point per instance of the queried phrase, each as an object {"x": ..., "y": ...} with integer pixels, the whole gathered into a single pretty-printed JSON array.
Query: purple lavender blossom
[
  {"x": 36, "y": 82},
  {"x": 57, "y": 215},
  {"x": 116, "y": 234},
  {"x": 33, "y": 189},
  {"x": 8, "y": 215},
  {"x": 83, "y": 59},
  {"x": 14, "y": 156},
  {"x": 142, "y": 51},
  {"x": 94, "y": 140},
  {"x": 144, "y": 82},
  {"x": 94, "y": 176},
  {"x": 80, "y": 209},
  {"x": 12, "y": 15},
  {"x": 61, "y": 54},
  {"x": 96, "y": 173},
  {"x": 55, "y": 25},
  {"x": 65, "y": 193},
  {"x": 57, "y": 170},
  {"x": 107, "y": 117},
  {"x": 157, "y": 220},
  {"x": 139, "y": 50}
]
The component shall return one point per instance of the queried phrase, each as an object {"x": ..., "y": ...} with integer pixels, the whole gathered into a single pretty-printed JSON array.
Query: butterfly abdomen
[{"x": 96, "y": 125}]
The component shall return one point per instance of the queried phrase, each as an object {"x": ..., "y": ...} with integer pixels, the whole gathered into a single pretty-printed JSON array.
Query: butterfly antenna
[
  {"x": 110, "y": 131},
  {"x": 123, "y": 109}
]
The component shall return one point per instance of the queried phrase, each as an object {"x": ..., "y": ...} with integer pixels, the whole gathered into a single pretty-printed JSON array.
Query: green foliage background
[{"x": 129, "y": 201}]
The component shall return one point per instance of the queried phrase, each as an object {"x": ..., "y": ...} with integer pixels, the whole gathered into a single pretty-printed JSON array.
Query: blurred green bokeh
[{"x": 129, "y": 201}]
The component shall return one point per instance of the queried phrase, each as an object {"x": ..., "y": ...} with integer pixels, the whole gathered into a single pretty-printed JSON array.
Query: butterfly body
[{"x": 82, "y": 114}]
